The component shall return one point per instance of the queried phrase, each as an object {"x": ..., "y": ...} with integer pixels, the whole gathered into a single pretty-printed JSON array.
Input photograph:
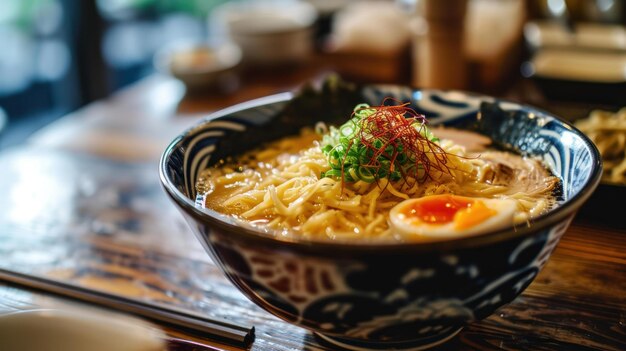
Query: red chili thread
[{"x": 393, "y": 126}]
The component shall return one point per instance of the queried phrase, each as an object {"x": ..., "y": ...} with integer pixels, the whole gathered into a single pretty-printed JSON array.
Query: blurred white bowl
[
  {"x": 77, "y": 330},
  {"x": 268, "y": 32}
]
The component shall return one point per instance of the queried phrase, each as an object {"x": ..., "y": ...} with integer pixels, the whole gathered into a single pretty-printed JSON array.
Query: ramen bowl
[{"x": 387, "y": 295}]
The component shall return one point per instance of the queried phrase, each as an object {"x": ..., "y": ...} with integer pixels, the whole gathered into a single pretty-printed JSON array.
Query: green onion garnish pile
[{"x": 382, "y": 142}]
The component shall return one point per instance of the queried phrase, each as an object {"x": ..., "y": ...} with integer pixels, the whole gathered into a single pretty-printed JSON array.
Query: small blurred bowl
[
  {"x": 269, "y": 33},
  {"x": 77, "y": 329},
  {"x": 199, "y": 65}
]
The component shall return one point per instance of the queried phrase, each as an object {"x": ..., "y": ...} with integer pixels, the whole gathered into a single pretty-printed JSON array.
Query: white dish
[
  {"x": 577, "y": 65},
  {"x": 268, "y": 33},
  {"x": 77, "y": 330},
  {"x": 544, "y": 34}
]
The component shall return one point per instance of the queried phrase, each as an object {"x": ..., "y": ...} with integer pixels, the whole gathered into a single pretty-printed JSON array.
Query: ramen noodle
[
  {"x": 608, "y": 131},
  {"x": 356, "y": 182}
]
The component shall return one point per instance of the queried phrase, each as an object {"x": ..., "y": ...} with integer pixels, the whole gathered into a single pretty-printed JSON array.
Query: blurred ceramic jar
[{"x": 268, "y": 32}]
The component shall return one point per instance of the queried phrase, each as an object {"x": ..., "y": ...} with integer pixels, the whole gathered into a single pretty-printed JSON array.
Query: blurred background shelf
[{"x": 59, "y": 55}]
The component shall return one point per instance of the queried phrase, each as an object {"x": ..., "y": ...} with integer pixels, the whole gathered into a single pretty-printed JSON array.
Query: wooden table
[{"x": 82, "y": 204}]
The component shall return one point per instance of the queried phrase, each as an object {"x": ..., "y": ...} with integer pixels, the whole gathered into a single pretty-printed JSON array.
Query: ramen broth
[{"x": 279, "y": 188}]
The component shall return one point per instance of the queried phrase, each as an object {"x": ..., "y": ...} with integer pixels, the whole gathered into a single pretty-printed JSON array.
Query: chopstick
[{"x": 219, "y": 330}]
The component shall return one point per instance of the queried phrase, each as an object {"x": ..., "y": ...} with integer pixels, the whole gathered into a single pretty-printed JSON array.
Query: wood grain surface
[{"x": 107, "y": 225}]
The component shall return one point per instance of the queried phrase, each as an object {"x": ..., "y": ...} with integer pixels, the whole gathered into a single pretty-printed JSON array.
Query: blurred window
[
  {"x": 36, "y": 61},
  {"x": 58, "y": 55},
  {"x": 136, "y": 29}
]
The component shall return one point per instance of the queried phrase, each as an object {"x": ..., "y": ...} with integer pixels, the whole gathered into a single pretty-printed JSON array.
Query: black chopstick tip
[
  {"x": 249, "y": 338},
  {"x": 178, "y": 344}
]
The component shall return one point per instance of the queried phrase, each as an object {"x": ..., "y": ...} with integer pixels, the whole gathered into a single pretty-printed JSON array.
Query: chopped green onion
[
  {"x": 365, "y": 175},
  {"x": 355, "y": 155}
]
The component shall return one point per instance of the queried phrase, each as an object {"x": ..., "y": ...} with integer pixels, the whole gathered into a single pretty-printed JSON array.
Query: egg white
[{"x": 413, "y": 227}]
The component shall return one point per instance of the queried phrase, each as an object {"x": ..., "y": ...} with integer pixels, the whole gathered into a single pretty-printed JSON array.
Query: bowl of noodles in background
[{"x": 341, "y": 210}]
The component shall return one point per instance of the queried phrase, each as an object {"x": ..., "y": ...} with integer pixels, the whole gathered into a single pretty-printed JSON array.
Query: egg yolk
[
  {"x": 473, "y": 215},
  {"x": 442, "y": 209}
]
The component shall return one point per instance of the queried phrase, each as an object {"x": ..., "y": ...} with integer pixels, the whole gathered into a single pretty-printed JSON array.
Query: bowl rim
[{"x": 564, "y": 212}]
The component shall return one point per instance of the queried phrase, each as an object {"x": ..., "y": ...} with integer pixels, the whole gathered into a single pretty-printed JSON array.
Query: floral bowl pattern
[{"x": 389, "y": 296}]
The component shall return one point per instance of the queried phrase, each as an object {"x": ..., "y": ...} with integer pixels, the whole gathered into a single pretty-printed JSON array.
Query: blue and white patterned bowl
[{"x": 401, "y": 296}]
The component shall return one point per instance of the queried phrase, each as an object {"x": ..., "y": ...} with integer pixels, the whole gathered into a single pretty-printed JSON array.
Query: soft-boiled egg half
[{"x": 447, "y": 216}]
